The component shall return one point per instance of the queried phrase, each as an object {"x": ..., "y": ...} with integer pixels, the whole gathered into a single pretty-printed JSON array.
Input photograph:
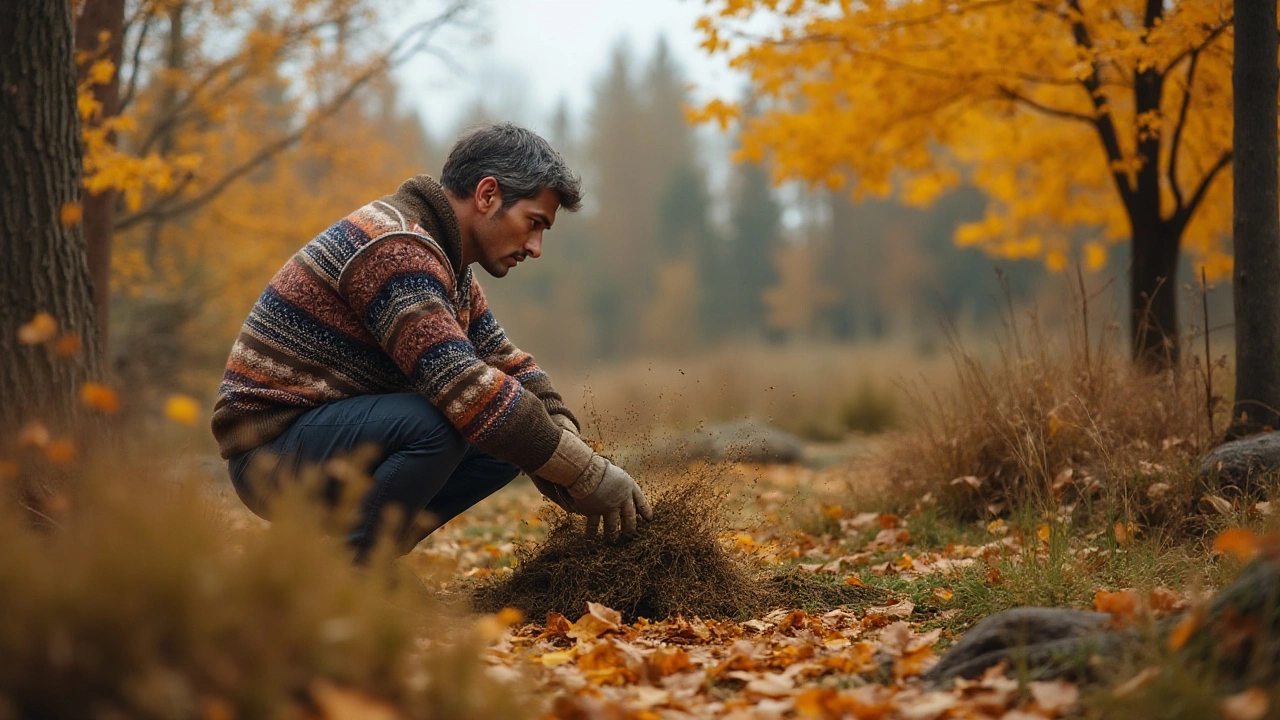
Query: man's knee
[{"x": 420, "y": 425}]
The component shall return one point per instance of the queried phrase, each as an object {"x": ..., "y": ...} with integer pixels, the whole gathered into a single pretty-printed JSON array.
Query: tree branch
[
  {"x": 1208, "y": 40},
  {"x": 170, "y": 205},
  {"x": 1176, "y": 143},
  {"x": 1104, "y": 123},
  {"x": 136, "y": 65},
  {"x": 1183, "y": 216},
  {"x": 1012, "y": 94}
]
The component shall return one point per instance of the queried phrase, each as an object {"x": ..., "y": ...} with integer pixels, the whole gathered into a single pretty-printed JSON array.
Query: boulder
[
  {"x": 1243, "y": 463},
  {"x": 1048, "y": 642},
  {"x": 743, "y": 441}
]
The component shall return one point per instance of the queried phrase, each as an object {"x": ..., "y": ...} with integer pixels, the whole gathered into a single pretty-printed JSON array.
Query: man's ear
[{"x": 488, "y": 196}]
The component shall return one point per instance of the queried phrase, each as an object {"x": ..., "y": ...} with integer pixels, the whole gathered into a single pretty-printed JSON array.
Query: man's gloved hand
[
  {"x": 615, "y": 497},
  {"x": 597, "y": 488},
  {"x": 564, "y": 422},
  {"x": 557, "y": 494}
]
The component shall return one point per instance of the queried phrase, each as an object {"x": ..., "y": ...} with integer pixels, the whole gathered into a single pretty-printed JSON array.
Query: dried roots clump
[{"x": 675, "y": 564}]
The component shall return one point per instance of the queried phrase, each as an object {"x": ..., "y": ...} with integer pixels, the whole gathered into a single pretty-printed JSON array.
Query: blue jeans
[{"x": 422, "y": 465}]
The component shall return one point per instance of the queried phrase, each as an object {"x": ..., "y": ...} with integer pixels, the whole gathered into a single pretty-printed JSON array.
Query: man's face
[{"x": 505, "y": 238}]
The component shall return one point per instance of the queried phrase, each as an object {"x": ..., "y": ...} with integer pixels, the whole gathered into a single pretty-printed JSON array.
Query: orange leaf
[
  {"x": 60, "y": 451},
  {"x": 943, "y": 594},
  {"x": 70, "y": 214},
  {"x": 67, "y": 345},
  {"x": 665, "y": 662},
  {"x": 99, "y": 397},
  {"x": 853, "y": 581},
  {"x": 1122, "y": 605},
  {"x": 1183, "y": 630},
  {"x": 598, "y": 620},
  {"x": 41, "y": 329},
  {"x": 1242, "y": 543}
]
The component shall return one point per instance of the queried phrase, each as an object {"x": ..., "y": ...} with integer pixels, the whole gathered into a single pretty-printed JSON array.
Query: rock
[
  {"x": 743, "y": 441},
  {"x": 1242, "y": 463},
  {"x": 1048, "y": 642}
]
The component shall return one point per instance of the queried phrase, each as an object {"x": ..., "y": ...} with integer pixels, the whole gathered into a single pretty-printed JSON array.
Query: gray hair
[{"x": 521, "y": 161}]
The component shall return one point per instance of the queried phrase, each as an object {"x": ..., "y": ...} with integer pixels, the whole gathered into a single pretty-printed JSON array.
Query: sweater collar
[{"x": 423, "y": 200}]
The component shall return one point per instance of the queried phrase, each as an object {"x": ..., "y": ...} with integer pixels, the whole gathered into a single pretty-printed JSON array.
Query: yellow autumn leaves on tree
[{"x": 1072, "y": 117}]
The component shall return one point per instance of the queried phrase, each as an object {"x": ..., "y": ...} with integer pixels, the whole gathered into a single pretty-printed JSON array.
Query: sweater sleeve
[
  {"x": 401, "y": 291},
  {"x": 493, "y": 345}
]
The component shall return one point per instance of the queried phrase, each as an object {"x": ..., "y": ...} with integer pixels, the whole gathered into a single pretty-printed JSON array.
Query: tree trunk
[
  {"x": 1256, "y": 244},
  {"x": 1153, "y": 297},
  {"x": 98, "y": 17},
  {"x": 43, "y": 267}
]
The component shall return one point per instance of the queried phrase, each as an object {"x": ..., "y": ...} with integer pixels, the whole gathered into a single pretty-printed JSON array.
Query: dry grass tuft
[
  {"x": 675, "y": 564},
  {"x": 1051, "y": 420}
]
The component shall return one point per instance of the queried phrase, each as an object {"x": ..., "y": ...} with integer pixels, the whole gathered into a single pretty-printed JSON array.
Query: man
[{"x": 377, "y": 333}]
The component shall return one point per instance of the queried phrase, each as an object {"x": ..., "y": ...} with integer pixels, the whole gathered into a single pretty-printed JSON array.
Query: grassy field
[{"x": 1045, "y": 472}]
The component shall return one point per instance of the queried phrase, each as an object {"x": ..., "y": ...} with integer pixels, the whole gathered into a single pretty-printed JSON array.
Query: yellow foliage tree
[
  {"x": 182, "y": 100},
  {"x": 1106, "y": 118}
]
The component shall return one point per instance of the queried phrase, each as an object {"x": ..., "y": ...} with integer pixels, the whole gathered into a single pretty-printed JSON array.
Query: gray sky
[{"x": 525, "y": 55}]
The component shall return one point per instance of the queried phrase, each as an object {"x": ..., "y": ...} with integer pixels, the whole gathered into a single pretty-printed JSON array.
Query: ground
[{"x": 789, "y": 662}]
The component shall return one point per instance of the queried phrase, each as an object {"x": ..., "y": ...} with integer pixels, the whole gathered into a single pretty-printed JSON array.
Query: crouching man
[{"x": 377, "y": 333}]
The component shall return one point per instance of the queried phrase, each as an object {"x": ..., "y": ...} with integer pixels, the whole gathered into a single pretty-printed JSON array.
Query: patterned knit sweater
[{"x": 377, "y": 304}]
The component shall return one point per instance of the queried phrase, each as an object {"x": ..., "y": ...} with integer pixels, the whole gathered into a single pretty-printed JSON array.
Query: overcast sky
[{"x": 525, "y": 55}]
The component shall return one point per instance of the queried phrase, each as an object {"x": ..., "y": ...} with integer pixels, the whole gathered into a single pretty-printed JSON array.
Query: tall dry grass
[
  {"x": 819, "y": 392},
  {"x": 1050, "y": 420},
  {"x": 142, "y": 597}
]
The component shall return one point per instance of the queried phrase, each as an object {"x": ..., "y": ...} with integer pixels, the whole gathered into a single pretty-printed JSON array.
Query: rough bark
[
  {"x": 42, "y": 261},
  {"x": 99, "y": 216},
  {"x": 1256, "y": 244}
]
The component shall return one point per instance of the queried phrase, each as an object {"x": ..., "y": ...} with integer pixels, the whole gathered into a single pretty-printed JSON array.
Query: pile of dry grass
[
  {"x": 675, "y": 564},
  {"x": 1052, "y": 418}
]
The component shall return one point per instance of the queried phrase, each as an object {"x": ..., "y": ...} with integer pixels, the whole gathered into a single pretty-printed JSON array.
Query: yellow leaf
[
  {"x": 40, "y": 329},
  {"x": 558, "y": 658},
  {"x": 943, "y": 594},
  {"x": 1042, "y": 532},
  {"x": 102, "y": 71},
  {"x": 853, "y": 581},
  {"x": 182, "y": 409}
]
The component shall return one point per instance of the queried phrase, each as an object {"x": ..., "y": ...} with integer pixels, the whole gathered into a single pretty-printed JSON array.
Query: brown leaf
[
  {"x": 1054, "y": 696},
  {"x": 598, "y": 620},
  {"x": 557, "y": 626},
  {"x": 1163, "y": 601},
  {"x": 606, "y": 664},
  {"x": 664, "y": 662},
  {"x": 1122, "y": 605}
]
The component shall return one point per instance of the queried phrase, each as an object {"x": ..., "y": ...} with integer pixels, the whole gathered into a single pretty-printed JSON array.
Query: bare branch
[
  {"x": 1012, "y": 94},
  {"x": 1176, "y": 143},
  {"x": 1183, "y": 216},
  {"x": 136, "y": 65}
]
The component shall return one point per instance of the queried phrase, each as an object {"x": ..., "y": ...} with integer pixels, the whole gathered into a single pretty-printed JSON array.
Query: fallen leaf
[
  {"x": 1123, "y": 533},
  {"x": 663, "y": 662},
  {"x": 853, "y": 581},
  {"x": 1054, "y": 696},
  {"x": 1042, "y": 532},
  {"x": 336, "y": 703},
  {"x": 605, "y": 664},
  {"x": 557, "y": 626},
  {"x": 1251, "y": 704},
  {"x": 1218, "y": 503},
  {"x": 943, "y": 594},
  {"x": 1239, "y": 542},
  {"x": 1135, "y": 683},
  {"x": 1122, "y": 605},
  {"x": 1163, "y": 601},
  {"x": 557, "y": 658}
]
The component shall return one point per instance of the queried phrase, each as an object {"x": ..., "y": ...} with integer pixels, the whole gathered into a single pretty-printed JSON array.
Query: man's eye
[{"x": 533, "y": 224}]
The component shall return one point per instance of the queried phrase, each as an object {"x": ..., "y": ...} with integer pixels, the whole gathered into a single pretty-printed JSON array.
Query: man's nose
[{"x": 533, "y": 248}]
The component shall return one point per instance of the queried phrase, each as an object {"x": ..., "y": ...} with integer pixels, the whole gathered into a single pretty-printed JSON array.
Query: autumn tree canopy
[{"x": 1087, "y": 123}]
